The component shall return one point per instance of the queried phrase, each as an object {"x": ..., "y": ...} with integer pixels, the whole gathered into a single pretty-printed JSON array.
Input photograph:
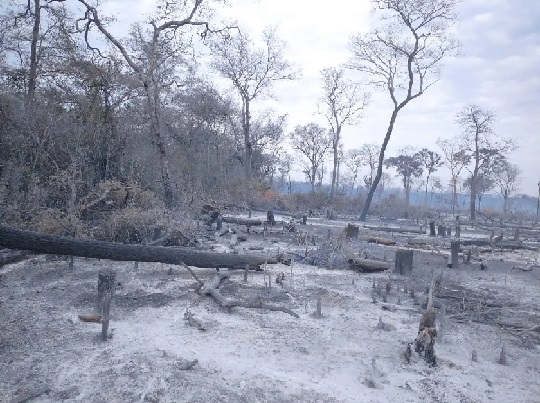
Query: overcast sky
[{"x": 498, "y": 69}]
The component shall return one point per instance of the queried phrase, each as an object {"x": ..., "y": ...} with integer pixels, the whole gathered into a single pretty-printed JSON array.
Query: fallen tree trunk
[
  {"x": 8, "y": 256},
  {"x": 382, "y": 241},
  {"x": 368, "y": 265},
  {"x": 499, "y": 244},
  {"x": 55, "y": 245},
  {"x": 395, "y": 229},
  {"x": 243, "y": 221}
]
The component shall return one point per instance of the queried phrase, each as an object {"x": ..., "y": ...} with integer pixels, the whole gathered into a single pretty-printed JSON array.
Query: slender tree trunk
[
  {"x": 247, "y": 140},
  {"x": 335, "y": 149},
  {"x": 334, "y": 170},
  {"x": 505, "y": 204},
  {"x": 33, "y": 53},
  {"x": 408, "y": 199},
  {"x": 473, "y": 200},
  {"x": 373, "y": 187},
  {"x": 454, "y": 195},
  {"x": 425, "y": 196},
  {"x": 157, "y": 127},
  {"x": 475, "y": 176}
]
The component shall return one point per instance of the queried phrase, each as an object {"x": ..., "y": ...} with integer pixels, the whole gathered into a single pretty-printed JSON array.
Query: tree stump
[
  {"x": 352, "y": 231},
  {"x": 106, "y": 286},
  {"x": 454, "y": 250},
  {"x": 318, "y": 312},
  {"x": 516, "y": 235},
  {"x": 448, "y": 231},
  {"x": 304, "y": 219},
  {"x": 403, "y": 261},
  {"x": 441, "y": 230},
  {"x": 219, "y": 224},
  {"x": 107, "y": 300},
  {"x": 458, "y": 231},
  {"x": 270, "y": 217},
  {"x": 432, "y": 228}
]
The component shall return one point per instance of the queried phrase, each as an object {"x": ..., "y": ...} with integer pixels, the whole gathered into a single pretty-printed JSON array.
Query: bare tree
[
  {"x": 435, "y": 185},
  {"x": 152, "y": 61},
  {"x": 284, "y": 168},
  {"x": 253, "y": 71},
  {"x": 408, "y": 166},
  {"x": 370, "y": 155},
  {"x": 44, "y": 19},
  {"x": 455, "y": 159},
  {"x": 403, "y": 57},
  {"x": 354, "y": 161},
  {"x": 431, "y": 162},
  {"x": 485, "y": 150},
  {"x": 312, "y": 142},
  {"x": 506, "y": 177},
  {"x": 342, "y": 102}
]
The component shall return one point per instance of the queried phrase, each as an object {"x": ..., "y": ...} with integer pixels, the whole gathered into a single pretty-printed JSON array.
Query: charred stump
[
  {"x": 432, "y": 228},
  {"x": 403, "y": 261},
  {"x": 352, "y": 231},
  {"x": 454, "y": 251}
]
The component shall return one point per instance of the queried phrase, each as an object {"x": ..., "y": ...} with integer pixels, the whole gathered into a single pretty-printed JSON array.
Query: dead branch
[
  {"x": 90, "y": 318},
  {"x": 212, "y": 288},
  {"x": 201, "y": 283},
  {"x": 192, "y": 321},
  {"x": 382, "y": 241}
]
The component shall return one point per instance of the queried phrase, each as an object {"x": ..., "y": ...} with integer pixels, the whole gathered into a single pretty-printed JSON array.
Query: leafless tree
[
  {"x": 431, "y": 162},
  {"x": 34, "y": 25},
  {"x": 506, "y": 177},
  {"x": 455, "y": 159},
  {"x": 342, "y": 102},
  {"x": 284, "y": 168},
  {"x": 370, "y": 155},
  {"x": 403, "y": 56},
  {"x": 408, "y": 165},
  {"x": 484, "y": 148},
  {"x": 354, "y": 161},
  {"x": 312, "y": 142},
  {"x": 253, "y": 71}
]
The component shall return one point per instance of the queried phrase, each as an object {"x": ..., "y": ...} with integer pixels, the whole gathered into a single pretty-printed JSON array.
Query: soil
[{"x": 254, "y": 355}]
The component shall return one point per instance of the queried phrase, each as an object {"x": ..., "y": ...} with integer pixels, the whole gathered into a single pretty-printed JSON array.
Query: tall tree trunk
[
  {"x": 473, "y": 199},
  {"x": 408, "y": 199},
  {"x": 157, "y": 131},
  {"x": 425, "y": 196},
  {"x": 247, "y": 139},
  {"x": 474, "y": 176},
  {"x": 33, "y": 54},
  {"x": 373, "y": 187},
  {"x": 454, "y": 194},
  {"x": 334, "y": 170},
  {"x": 335, "y": 149}
]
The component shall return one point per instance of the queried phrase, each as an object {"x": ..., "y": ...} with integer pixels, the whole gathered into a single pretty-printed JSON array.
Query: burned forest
[{"x": 237, "y": 201}]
